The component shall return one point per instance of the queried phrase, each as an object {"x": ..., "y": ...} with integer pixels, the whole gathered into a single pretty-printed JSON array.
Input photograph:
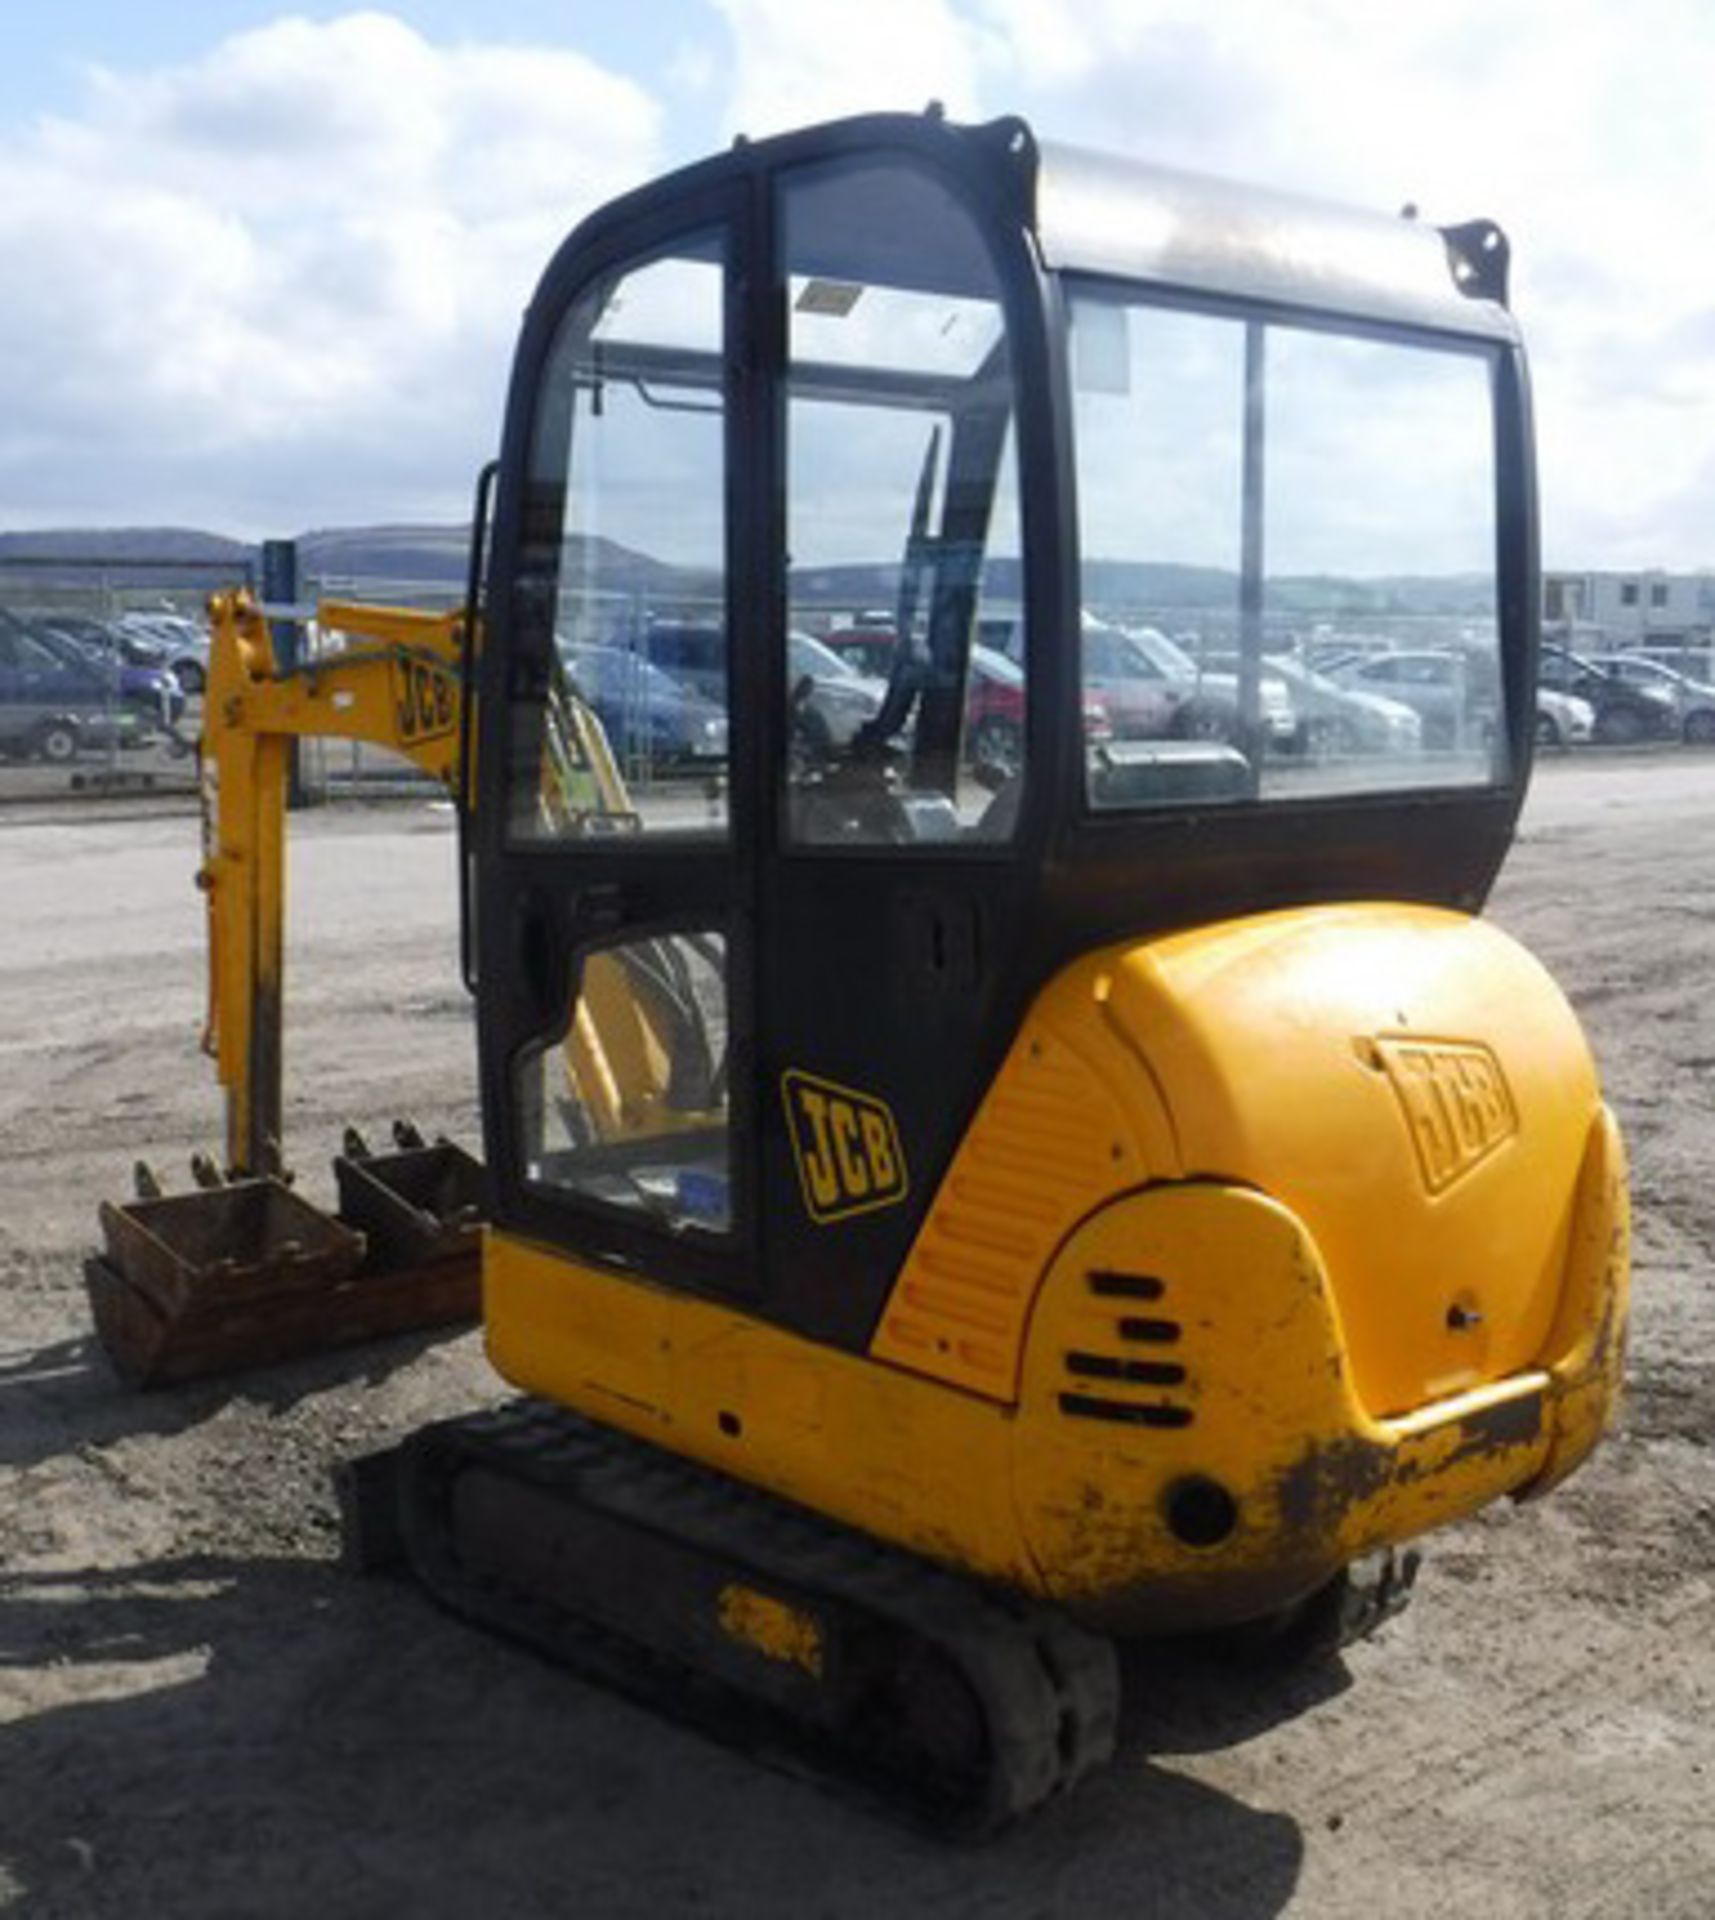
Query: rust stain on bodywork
[
  {"x": 1328, "y": 1478},
  {"x": 1509, "y": 1423}
]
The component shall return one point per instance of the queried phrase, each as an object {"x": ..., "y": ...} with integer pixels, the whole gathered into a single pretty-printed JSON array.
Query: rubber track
[{"x": 1048, "y": 1691}]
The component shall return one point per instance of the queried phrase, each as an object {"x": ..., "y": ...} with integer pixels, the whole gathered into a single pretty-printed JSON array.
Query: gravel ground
[{"x": 201, "y": 1715}]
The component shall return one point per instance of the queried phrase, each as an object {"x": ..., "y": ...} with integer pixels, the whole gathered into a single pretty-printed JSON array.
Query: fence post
[
  {"x": 114, "y": 707},
  {"x": 280, "y": 589}
]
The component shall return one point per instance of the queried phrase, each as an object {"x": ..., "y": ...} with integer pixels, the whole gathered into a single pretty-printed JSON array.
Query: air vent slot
[
  {"x": 1156, "y": 1333},
  {"x": 1106, "y": 1366},
  {"x": 1090, "y": 1406},
  {"x": 1109, "y": 1285},
  {"x": 1122, "y": 1370}
]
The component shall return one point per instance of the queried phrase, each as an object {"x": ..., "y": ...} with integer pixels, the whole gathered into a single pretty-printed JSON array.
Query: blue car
[
  {"x": 648, "y": 716},
  {"x": 145, "y": 685},
  {"x": 49, "y": 707}
]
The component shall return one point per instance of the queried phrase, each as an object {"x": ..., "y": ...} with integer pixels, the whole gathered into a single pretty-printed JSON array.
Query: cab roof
[{"x": 1099, "y": 214}]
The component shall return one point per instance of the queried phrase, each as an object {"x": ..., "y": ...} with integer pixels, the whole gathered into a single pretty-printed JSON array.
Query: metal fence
[
  {"x": 79, "y": 719},
  {"x": 81, "y": 710}
]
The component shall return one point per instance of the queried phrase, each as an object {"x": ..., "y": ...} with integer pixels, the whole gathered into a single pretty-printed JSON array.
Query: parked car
[
  {"x": 1693, "y": 700},
  {"x": 1142, "y": 698},
  {"x": 49, "y": 707},
  {"x": 1331, "y": 719},
  {"x": 994, "y": 712},
  {"x": 646, "y": 713},
  {"x": 1625, "y": 713},
  {"x": 1694, "y": 659},
  {"x": 837, "y": 699},
  {"x": 1456, "y": 695},
  {"x": 182, "y": 641},
  {"x": 866, "y": 649},
  {"x": 1002, "y": 633},
  {"x": 150, "y": 688},
  {"x": 108, "y": 643},
  {"x": 1205, "y": 699},
  {"x": 1331, "y": 656},
  {"x": 1563, "y": 720},
  {"x": 691, "y": 652}
]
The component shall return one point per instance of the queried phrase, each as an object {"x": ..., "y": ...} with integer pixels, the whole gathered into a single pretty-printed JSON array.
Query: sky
[{"x": 264, "y": 265}]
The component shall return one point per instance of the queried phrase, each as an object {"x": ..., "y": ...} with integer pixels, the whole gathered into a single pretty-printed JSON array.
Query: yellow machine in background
[
  {"x": 245, "y": 1271},
  {"x": 399, "y": 687}
]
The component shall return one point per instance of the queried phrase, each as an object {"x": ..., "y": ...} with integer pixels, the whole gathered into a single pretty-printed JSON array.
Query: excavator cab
[{"x": 1153, "y": 435}]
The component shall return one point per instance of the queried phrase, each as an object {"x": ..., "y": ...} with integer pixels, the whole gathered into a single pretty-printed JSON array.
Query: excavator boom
[
  {"x": 397, "y": 685},
  {"x": 244, "y": 1270}
]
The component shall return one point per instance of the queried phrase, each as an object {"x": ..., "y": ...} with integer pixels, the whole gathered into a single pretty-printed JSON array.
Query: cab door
[
  {"x": 738, "y": 1006},
  {"x": 902, "y": 858},
  {"x": 613, "y": 941}
]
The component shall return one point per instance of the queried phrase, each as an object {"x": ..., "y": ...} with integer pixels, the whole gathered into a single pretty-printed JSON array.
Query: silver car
[
  {"x": 1692, "y": 700},
  {"x": 1332, "y": 719},
  {"x": 1563, "y": 720}
]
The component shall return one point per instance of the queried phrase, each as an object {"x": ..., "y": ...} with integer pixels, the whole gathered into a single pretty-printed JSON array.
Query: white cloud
[
  {"x": 280, "y": 284},
  {"x": 1584, "y": 128},
  {"x": 797, "y": 63}
]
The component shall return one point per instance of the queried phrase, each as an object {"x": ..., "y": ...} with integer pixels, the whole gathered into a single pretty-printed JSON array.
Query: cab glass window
[
  {"x": 618, "y": 674},
  {"x": 1289, "y": 558},
  {"x": 628, "y": 1103},
  {"x": 905, "y": 699}
]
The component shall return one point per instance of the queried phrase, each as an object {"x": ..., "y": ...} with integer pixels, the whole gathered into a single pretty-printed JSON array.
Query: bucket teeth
[{"x": 243, "y": 1272}]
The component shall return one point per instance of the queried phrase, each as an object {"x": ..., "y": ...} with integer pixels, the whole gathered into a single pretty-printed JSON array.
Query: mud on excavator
[{"x": 943, "y": 1218}]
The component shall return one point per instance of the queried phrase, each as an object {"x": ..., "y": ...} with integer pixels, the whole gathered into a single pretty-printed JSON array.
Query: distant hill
[
  {"x": 162, "y": 558},
  {"x": 427, "y": 554},
  {"x": 101, "y": 545},
  {"x": 1161, "y": 590},
  {"x": 435, "y": 557},
  {"x": 404, "y": 556}
]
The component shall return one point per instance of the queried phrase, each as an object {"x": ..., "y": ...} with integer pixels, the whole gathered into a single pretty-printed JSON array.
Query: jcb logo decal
[
  {"x": 847, "y": 1148},
  {"x": 424, "y": 697},
  {"x": 1456, "y": 1103}
]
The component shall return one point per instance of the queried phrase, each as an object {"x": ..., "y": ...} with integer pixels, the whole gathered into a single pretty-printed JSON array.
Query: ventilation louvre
[
  {"x": 1107, "y": 1284},
  {"x": 1147, "y": 1413},
  {"x": 1113, "y": 1361},
  {"x": 1143, "y": 1373}
]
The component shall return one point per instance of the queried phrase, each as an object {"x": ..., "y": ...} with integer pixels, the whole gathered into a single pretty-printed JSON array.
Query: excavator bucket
[
  {"x": 247, "y": 1273},
  {"x": 420, "y": 1207}
]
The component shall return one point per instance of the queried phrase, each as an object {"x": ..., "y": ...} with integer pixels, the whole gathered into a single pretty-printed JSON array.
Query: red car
[
  {"x": 868, "y": 649},
  {"x": 994, "y": 712}
]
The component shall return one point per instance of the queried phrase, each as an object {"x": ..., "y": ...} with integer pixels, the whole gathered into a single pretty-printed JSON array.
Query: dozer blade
[
  {"x": 950, "y": 1705},
  {"x": 247, "y": 1273}
]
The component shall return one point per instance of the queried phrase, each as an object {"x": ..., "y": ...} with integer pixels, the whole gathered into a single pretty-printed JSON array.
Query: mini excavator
[{"x": 945, "y": 1218}]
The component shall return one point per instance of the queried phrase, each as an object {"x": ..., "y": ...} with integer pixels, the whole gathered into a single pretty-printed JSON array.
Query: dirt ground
[{"x": 202, "y": 1715}]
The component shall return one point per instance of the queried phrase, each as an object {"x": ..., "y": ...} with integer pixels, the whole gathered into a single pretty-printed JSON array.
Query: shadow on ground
[
  {"x": 207, "y": 1736},
  {"x": 65, "y": 1395}
]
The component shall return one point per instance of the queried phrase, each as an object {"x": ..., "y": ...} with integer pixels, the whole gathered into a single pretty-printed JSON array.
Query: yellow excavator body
[
  {"x": 1036, "y": 1149},
  {"x": 1241, "y": 1272}
]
